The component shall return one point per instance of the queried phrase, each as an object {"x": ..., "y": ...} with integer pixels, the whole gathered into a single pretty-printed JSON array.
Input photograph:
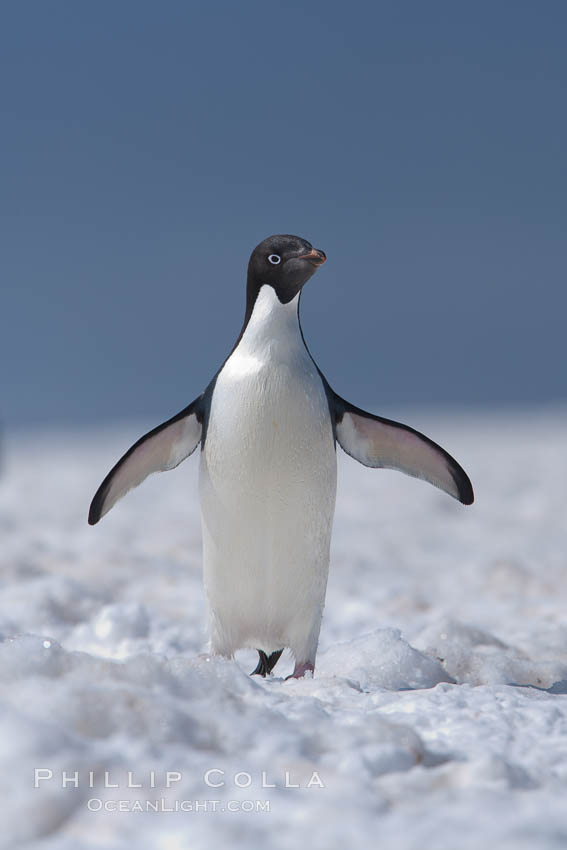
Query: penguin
[{"x": 268, "y": 424}]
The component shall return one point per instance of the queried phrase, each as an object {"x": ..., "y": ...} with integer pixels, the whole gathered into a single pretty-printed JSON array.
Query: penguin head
[{"x": 284, "y": 262}]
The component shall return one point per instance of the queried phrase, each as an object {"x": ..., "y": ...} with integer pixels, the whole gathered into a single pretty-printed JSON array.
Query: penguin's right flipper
[
  {"x": 162, "y": 448},
  {"x": 378, "y": 442}
]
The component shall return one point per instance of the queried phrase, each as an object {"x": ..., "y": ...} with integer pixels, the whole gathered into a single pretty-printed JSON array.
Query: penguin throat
[{"x": 271, "y": 320}]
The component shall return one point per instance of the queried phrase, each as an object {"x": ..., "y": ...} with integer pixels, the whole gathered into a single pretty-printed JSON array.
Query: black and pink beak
[{"x": 315, "y": 256}]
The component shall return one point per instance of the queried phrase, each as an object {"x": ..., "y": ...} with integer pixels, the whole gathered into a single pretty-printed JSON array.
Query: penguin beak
[{"x": 315, "y": 256}]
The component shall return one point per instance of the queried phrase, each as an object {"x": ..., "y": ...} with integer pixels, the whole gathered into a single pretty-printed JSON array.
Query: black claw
[
  {"x": 262, "y": 667},
  {"x": 273, "y": 659},
  {"x": 266, "y": 663}
]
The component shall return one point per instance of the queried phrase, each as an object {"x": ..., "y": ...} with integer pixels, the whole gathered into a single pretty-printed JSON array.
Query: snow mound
[
  {"x": 472, "y": 655},
  {"x": 382, "y": 659}
]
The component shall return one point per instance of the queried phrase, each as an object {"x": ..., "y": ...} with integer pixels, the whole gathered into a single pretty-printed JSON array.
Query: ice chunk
[
  {"x": 382, "y": 659},
  {"x": 472, "y": 655},
  {"x": 30, "y": 655}
]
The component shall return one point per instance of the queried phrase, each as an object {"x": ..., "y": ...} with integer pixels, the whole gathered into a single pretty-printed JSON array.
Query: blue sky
[{"x": 148, "y": 147}]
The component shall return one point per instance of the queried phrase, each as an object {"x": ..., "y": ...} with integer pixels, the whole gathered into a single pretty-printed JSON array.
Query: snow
[{"x": 437, "y": 716}]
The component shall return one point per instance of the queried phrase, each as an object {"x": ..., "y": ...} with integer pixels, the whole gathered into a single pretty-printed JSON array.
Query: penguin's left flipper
[
  {"x": 162, "y": 448},
  {"x": 379, "y": 442}
]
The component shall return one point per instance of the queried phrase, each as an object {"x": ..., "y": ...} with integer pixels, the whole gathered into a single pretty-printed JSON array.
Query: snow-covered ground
[{"x": 437, "y": 718}]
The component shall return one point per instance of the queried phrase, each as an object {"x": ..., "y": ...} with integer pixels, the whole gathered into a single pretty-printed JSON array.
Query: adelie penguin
[{"x": 268, "y": 424}]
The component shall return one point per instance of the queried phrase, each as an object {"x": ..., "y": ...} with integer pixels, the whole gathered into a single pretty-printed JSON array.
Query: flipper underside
[
  {"x": 378, "y": 442},
  {"x": 160, "y": 449}
]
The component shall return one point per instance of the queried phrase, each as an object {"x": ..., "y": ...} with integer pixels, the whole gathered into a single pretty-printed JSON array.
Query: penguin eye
[{"x": 274, "y": 259}]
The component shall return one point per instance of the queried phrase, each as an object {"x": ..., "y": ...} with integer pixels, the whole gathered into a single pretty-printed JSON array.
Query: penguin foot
[
  {"x": 301, "y": 669},
  {"x": 266, "y": 663}
]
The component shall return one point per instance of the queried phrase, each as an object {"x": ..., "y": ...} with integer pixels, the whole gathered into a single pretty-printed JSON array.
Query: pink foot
[{"x": 301, "y": 669}]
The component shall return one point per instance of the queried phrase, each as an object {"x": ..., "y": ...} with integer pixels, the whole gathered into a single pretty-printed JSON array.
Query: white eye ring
[{"x": 274, "y": 259}]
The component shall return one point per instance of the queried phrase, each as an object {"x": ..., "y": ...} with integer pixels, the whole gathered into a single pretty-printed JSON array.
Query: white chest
[{"x": 269, "y": 414}]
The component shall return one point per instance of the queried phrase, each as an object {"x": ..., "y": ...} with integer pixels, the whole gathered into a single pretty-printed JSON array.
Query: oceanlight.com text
[{"x": 96, "y": 804}]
